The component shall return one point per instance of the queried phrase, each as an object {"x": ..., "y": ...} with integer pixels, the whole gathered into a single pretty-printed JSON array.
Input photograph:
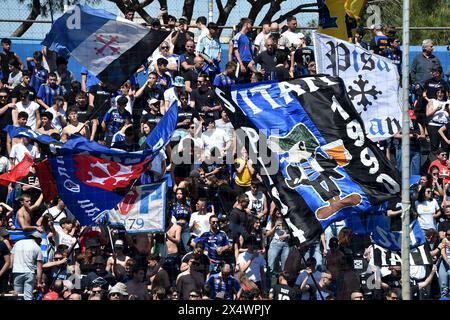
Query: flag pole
[{"x": 406, "y": 202}]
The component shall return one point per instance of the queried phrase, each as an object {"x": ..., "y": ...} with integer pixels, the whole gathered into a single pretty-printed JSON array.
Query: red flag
[
  {"x": 17, "y": 172},
  {"x": 46, "y": 180}
]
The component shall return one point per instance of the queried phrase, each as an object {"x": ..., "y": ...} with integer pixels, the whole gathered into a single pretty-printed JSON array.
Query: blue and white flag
[
  {"x": 15, "y": 132},
  {"x": 371, "y": 81},
  {"x": 311, "y": 150},
  {"x": 142, "y": 210},
  {"x": 110, "y": 47}
]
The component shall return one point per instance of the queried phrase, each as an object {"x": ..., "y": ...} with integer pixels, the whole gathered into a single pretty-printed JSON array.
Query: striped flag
[{"x": 108, "y": 46}]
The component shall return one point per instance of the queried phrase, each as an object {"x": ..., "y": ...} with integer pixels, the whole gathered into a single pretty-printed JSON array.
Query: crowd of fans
[{"x": 224, "y": 237}]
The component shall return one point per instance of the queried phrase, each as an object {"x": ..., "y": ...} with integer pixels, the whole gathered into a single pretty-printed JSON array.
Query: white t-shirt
[
  {"x": 31, "y": 109},
  {"x": 56, "y": 121},
  {"x": 203, "y": 223},
  {"x": 62, "y": 238},
  {"x": 157, "y": 162},
  {"x": 253, "y": 272},
  {"x": 426, "y": 210},
  {"x": 310, "y": 282},
  {"x": 128, "y": 107},
  {"x": 260, "y": 41},
  {"x": 26, "y": 255},
  {"x": 14, "y": 81},
  {"x": 170, "y": 95},
  {"x": 5, "y": 165},
  {"x": 214, "y": 138},
  {"x": 256, "y": 202},
  {"x": 19, "y": 149},
  {"x": 225, "y": 126},
  {"x": 294, "y": 38}
]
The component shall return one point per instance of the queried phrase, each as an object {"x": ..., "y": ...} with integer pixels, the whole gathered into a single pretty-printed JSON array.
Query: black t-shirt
[
  {"x": 184, "y": 114},
  {"x": 126, "y": 147},
  {"x": 190, "y": 61},
  {"x": 227, "y": 197},
  {"x": 396, "y": 221},
  {"x": 205, "y": 98},
  {"x": 5, "y": 119},
  {"x": 179, "y": 46},
  {"x": 155, "y": 92},
  {"x": 432, "y": 85},
  {"x": 152, "y": 118},
  {"x": 238, "y": 221},
  {"x": 284, "y": 292},
  {"x": 443, "y": 225},
  {"x": 282, "y": 74},
  {"x": 31, "y": 92},
  {"x": 4, "y": 251},
  {"x": 303, "y": 56},
  {"x": 101, "y": 97},
  {"x": 84, "y": 113},
  {"x": 192, "y": 76},
  {"x": 4, "y": 62},
  {"x": 201, "y": 263},
  {"x": 267, "y": 61}
]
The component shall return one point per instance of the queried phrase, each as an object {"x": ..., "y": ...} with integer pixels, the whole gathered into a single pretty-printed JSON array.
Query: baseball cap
[
  {"x": 120, "y": 288},
  {"x": 178, "y": 82},
  {"x": 183, "y": 20},
  {"x": 118, "y": 243}
]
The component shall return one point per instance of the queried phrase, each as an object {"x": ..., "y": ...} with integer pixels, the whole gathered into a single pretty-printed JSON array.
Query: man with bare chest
[
  {"x": 24, "y": 213},
  {"x": 46, "y": 124},
  {"x": 173, "y": 259},
  {"x": 74, "y": 126}
]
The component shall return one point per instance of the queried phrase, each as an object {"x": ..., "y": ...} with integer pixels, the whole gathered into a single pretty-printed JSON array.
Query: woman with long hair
[
  {"x": 427, "y": 209},
  {"x": 181, "y": 211},
  {"x": 253, "y": 229}
]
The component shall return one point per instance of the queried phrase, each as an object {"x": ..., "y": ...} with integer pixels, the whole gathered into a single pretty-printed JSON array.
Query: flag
[
  {"x": 46, "y": 180},
  {"x": 383, "y": 258},
  {"x": 17, "y": 172},
  {"x": 371, "y": 82},
  {"x": 142, "y": 210},
  {"x": 17, "y": 132},
  {"x": 108, "y": 46},
  {"x": 338, "y": 18},
  {"x": 92, "y": 179},
  {"x": 319, "y": 166}
]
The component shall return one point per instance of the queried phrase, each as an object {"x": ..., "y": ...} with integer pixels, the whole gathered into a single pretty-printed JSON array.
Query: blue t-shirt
[
  {"x": 90, "y": 78},
  {"x": 242, "y": 43},
  {"x": 219, "y": 284},
  {"x": 212, "y": 241},
  {"x": 38, "y": 76},
  {"x": 46, "y": 93},
  {"x": 181, "y": 211},
  {"x": 115, "y": 120},
  {"x": 222, "y": 80}
]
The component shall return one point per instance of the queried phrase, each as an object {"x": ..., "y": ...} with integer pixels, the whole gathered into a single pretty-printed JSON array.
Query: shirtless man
[
  {"x": 118, "y": 262},
  {"x": 74, "y": 126},
  {"x": 46, "y": 124},
  {"x": 24, "y": 213},
  {"x": 22, "y": 119},
  {"x": 173, "y": 259}
]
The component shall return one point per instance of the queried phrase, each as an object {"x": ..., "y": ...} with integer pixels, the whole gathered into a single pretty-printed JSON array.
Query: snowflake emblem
[{"x": 363, "y": 92}]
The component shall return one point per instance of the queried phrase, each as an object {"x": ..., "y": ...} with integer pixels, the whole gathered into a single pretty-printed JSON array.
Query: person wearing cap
[
  {"x": 380, "y": 40},
  {"x": 118, "y": 292},
  {"x": 5, "y": 261},
  {"x": 291, "y": 39},
  {"x": 181, "y": 35},
  {"x": 173, "y": 94},
  {"x": 417, "y": 135},
  {"x": 117, "y": 262},
  {"x": 27, "y": 264},
  {"x": 423, "y": 63},
  {"x": 210, "y": 49},
  {"x": 25, "y": 84}
]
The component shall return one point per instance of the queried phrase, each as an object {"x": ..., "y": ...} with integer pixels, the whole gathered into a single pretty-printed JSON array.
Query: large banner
[
  {"x": 311, "y": 149},
  {"x": 371, "y": 81},
  {"x": 382, "y": 257},
  {"x": 142, "y": 210}
]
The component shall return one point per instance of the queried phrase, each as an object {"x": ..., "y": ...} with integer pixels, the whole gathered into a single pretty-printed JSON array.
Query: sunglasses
[
  {"x": 3, "y": 97},
  {"x": 115, "y": 294},
  {"x": 164, "y": 47},
  {"x": 214, "y": 222},
  {"x": 192, "y": 127}
]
